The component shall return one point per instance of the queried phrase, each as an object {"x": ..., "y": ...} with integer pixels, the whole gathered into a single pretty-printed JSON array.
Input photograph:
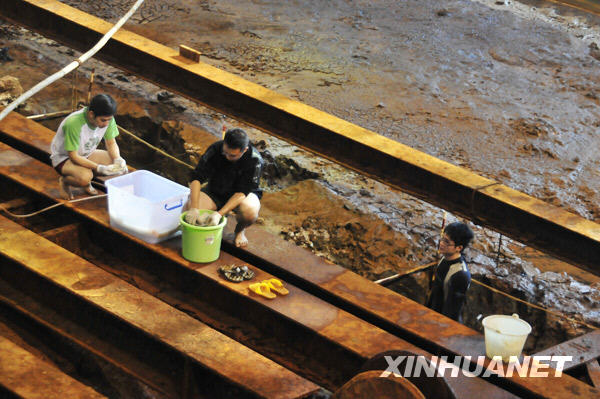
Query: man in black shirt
[
  {"x": 233, "y": 168},
  {"x": 451, "y": 277}
]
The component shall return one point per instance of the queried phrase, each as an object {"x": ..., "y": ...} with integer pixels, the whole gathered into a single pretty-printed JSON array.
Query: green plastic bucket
[{"x": 201, "y": 244}]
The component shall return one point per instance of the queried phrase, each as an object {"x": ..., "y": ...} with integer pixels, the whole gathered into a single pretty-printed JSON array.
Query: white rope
[
  {"x": 51, "y": 206},
  {"x": 51, "y": 79}
]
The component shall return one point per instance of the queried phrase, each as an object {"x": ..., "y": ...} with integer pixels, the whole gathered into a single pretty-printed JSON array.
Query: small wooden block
[{"x": 189, "y": 53}]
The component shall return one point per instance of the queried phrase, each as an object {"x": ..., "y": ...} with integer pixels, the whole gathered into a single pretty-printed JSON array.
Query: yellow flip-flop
[
  {"x": 262, "y": 289},
  {"x": 276, "y": 286}
]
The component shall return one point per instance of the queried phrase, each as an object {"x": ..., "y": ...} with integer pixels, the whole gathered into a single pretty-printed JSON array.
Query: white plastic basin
[{"x": 146, "y": 205}]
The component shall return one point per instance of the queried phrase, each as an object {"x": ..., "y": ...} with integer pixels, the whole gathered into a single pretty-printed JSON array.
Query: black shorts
[
  {"x": 59, "y": 167},
  {"x": 221, "y": 199}
]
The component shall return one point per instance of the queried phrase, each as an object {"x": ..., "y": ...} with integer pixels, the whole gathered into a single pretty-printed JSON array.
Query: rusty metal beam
[
  {"x": 135, "y": 330},
  {"x": 65, "y": 236},
  {"x": 593, "y": 369},
  {"x": 584, "y": 348},
  {"x": 49, "y": 337},
  {"x": 14, "y": 203},
  {"x": 590, "y": 6},
  {"x": 526, "y": 219},
  {"x": 28, "y": 377}
]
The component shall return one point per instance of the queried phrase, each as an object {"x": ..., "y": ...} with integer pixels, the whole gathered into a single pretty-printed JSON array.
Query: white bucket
[{"x": 505, "y": 336}]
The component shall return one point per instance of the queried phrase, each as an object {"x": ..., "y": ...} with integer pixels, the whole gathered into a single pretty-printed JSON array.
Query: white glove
[
  {"x": 192, "y": 216},
  {"x": 215, "y": 219},
  {"x": 120, "y": 163},
  {"x": 107, "y": 170}
]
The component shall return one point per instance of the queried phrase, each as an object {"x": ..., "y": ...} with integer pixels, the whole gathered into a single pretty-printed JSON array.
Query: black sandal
[
  {"x": 247, "y": 273},
  {"x": 231, "y": 273},
  {"x": 237, "y": 274}
]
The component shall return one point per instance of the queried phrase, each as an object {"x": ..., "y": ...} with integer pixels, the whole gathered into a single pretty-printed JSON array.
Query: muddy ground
[{"x": 509, "y": 91}]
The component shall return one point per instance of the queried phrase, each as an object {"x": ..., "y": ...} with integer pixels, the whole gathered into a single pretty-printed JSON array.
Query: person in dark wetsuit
[
  {"x": 451, "y": 277},
  {"x": 233, "y": 168}
]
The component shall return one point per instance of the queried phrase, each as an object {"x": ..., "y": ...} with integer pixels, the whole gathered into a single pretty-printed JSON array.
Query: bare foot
[
  {"x": 64, "y": 189},
  {"x": 91, "y": 190},
  {"x": 241, "y": 240}
]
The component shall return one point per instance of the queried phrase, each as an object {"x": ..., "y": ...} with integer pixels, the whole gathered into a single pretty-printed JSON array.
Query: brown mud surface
[{"x": 509, "y": 91}]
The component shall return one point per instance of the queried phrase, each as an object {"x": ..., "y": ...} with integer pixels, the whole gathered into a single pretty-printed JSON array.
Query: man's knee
[
  {"x": 83, "y": 178},
  {"x": 205, "y": 202},
  {"x": 101, "y": 157},
  {"x": 249, "y": 208},
  {"x": 195, "y": 185}
]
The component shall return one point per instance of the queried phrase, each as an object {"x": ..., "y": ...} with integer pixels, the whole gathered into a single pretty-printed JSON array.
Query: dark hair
[
  {"x": 103, "y": 105},
  {"x": 460, "y": 233},
  {"x": 236, "y": 139}
]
